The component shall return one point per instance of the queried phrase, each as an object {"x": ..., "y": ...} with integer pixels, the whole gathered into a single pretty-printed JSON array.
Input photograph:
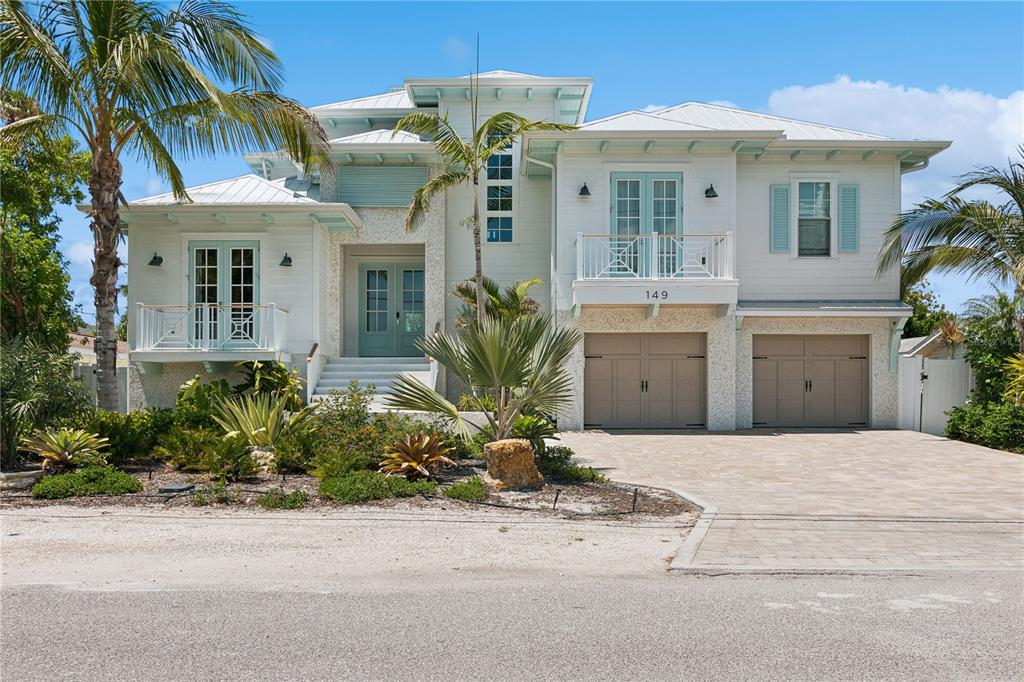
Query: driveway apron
[{"x": 833, "y": 500}]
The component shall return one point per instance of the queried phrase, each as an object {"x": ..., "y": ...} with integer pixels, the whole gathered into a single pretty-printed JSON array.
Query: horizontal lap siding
[
  {"x": 764, "y": 275},
  {"x": 288, "y": 287}
]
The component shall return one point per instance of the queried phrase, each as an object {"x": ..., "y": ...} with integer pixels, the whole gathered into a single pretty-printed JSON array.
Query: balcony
[
  {"x": 655, "y": 269},
  {"x": 204, "y": 332}
]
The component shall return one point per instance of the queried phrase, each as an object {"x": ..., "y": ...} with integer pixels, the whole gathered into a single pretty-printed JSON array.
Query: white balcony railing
[
  {"x": 654, "y": 256},
  {"x": 204, "y": 326}
]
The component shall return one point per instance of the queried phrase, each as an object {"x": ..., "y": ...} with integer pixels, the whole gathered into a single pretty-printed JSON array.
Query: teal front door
[
  {"x": 391, "y": 309},
  {"x": 642, "y": 204}
]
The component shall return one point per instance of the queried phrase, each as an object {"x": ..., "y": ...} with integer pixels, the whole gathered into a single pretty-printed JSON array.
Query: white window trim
[
  {"x": 186, "y": 237},
  {"x": 682, "y": 168},
  {"x": 794, "y": 210},
  {"x": 511, "y": 182}
]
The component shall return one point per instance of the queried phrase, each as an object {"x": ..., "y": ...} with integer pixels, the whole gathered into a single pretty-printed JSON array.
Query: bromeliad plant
[
  {"x": 63, "y": 449},
  {"x": 511, "y": 366},
  {"x": 417, "y": 456}
]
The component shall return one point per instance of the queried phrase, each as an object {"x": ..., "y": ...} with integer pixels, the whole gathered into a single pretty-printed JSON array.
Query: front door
[
  {"x": 223, "y": 293},
  {"x": 642, "y": 204},
  {"x": 391, "y": 309}
]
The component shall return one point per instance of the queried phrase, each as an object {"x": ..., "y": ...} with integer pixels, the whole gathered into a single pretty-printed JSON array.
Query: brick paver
[{"x": 831, "y": 499}]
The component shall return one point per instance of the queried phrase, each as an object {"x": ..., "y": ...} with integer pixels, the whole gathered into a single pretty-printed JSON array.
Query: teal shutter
[
  {"x": 379, "y": 185},
  {"x": 780, "y": 219},
  {"x": 849, "y": 218}
]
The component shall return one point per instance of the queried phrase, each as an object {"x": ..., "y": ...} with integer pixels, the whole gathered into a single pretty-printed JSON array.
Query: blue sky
[{"x": 925, "y": 70}]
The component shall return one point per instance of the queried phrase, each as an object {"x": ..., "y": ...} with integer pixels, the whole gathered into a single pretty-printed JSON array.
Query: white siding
[{"x": 766, "y": 276}]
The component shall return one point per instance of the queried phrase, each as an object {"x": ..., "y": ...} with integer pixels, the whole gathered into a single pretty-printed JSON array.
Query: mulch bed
[{"x": 604, "y": 501}]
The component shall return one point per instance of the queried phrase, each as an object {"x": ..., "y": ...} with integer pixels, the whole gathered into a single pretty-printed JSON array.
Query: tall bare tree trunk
[
  {"x": 481, "y": 299},
  {"x": 104, "y": 186}
]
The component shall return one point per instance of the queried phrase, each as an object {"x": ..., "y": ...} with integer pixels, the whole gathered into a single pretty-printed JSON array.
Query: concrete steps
[{"x": 381, "y": 373}]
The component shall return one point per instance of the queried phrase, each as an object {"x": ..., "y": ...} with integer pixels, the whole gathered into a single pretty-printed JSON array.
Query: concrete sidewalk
[{"x": 829, "y": 500}]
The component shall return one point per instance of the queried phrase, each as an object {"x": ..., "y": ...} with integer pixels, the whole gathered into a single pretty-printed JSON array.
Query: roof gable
[
  {"x": 718, "y": 117},
  {"x": 397, "y": 99},
  {"x": 245, "y": 189},
  {"x": 638, "y": 120},
  {"x": 384, "y": 136}
]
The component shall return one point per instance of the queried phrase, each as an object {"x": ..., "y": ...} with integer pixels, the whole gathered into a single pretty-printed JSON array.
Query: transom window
[
  {"x": 814, "y": 219},
  {"x": 499, "y": 196}
]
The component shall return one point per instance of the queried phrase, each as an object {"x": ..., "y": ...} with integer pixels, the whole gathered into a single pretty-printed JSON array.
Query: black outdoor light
[
  {"x": 156, "y": 260},
  {"x": 286, "y": 262},
  {"x": 584, "y": 190},
  {"x": 710, "y": 192}
]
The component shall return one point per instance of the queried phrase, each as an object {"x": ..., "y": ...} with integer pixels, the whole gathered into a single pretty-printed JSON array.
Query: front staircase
[{"x": 381, "y": 373}]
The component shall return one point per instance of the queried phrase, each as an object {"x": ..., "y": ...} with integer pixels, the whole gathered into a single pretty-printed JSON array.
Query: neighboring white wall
[
  {"x": 884, "y": 383},
  {"x": 767, "y": 276},
  {"x": 720, "y": 361},
  {"x": 948, "y": 385},
  {"x": 592, "y": 215},
  {"x": 293, "y": 288}
]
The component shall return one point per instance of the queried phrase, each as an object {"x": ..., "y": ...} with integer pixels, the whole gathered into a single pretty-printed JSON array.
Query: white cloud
[
  {"x": 653, "y": 107},
  {"x": 724, "y": 103},
  {"x": 80, "y": 253},
  {"x": 985, "y": 129},
  {"x": 456, "y": 48},
  {"x": 154, "y": 185}
]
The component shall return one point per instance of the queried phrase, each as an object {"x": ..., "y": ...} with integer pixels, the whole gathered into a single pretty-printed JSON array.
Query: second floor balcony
[
  {"x": 655, "y": 269},
  {"x": 209, "y": 332}
]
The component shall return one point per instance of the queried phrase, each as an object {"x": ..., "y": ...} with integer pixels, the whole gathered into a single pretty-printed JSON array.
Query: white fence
[
  {"x": 86, "y": 372},
  {"x": 928, "y": 388}
]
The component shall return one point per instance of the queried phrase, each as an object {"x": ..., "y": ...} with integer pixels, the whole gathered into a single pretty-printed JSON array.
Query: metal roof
[
  {"x": 384, "y": 136},
  {"x": 638, "y": 120},
  {"x": 720, "y": 117},
  {"x": 396, "y": 99},
  {"x": 245, "y": 189},
  {"x": 840, "y": 308},
  {"x": 500, "y": 73}
]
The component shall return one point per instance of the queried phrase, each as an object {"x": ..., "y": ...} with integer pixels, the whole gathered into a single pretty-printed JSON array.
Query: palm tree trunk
[
  {"x": 104, "y": 186},
  {"x": 481, "y": 307}
]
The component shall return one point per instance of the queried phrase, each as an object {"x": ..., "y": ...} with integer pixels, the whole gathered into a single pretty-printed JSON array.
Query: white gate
[{"x": 928, "y": 387}]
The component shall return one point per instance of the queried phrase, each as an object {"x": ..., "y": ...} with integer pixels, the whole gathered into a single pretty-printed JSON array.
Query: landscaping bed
[{"x": 601, "y": 501}]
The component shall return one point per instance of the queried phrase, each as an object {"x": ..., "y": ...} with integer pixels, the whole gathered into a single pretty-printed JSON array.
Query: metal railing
[
  {"x": 206, "y": 326},
  {"x": 654, "y": 256},
  {"x": 312, "y": 371}
]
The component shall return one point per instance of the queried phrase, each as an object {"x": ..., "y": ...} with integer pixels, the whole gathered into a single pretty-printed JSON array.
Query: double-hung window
[
  {"x": 814, "y": 219},
  {"x": 498, "y": 213}
]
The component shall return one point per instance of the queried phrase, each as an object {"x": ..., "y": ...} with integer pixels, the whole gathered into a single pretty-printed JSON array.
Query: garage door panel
[
  {"x": 612, "y": 344},
  {"x": 851, "y": 397},
  {"x": 779, "y": 345},
  {"x": 627, "y": 392},
  {"x": 791, "y": 393},
  {"x": 675, "y": 344},
  {"x": 766, "y": 391},
  {"x": 837, "y": 345},
  {"x": 598, "y": 403},
  {"x": 822, "y": 398},
  {"x": 691, "y": 391}
]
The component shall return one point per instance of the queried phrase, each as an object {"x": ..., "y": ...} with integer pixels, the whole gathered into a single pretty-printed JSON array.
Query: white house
[{"x": 721, "y": 263}]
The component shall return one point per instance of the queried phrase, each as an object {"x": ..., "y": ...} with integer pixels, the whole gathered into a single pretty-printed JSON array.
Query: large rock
[
  {"x": 19, "y": 480},
  {"x": 510, "y": 464}
]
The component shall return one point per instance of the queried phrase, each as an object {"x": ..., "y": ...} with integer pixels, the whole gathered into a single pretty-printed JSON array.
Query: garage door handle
[{"x": 810, "y": 385}]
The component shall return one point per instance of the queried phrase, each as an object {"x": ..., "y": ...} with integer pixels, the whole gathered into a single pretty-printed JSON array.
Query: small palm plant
[
  {"x": 1015, "y": 379},
  {"x": 514, "y": 301},
  {"x": 511, "y": 366},
  {"x": 952, "y": 335},
  {"x": 417, "y": 456},
  {"x": 64, "y": 449}
]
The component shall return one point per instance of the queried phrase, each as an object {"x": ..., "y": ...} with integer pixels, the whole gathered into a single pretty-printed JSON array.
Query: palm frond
[
  {"x": 499, "y": 131},
  {"x": 446, "y": 140},
  {"x": 421, "y": 198},
  {"x": 410, "y": 394}
]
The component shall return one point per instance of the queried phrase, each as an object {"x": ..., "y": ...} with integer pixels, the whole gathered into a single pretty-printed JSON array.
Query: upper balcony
[
  {"x": 206, "y": 332},
  {"x": 655, "y": 269}
]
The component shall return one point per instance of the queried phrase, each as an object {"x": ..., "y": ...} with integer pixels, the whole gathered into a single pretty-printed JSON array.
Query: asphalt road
[{"x": 960, "y": 626}]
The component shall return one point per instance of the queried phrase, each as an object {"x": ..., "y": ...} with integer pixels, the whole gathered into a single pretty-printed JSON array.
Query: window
[
  {"x": 814, "y": 219},
  {"x": 499, "y": 197}
]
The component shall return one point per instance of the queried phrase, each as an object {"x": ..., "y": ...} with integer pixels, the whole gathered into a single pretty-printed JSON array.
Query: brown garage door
[
  {"x": 652, "y": 381},
  {"x": 810, "y": 380}
]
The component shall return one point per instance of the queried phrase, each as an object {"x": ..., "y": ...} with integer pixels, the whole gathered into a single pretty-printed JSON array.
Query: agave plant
[
  {"x": 518, "y": 363},
  {"x": 262, "y": 419},
  {"x": 63, "y": 449},
  {"x": 417, "y": 456}
]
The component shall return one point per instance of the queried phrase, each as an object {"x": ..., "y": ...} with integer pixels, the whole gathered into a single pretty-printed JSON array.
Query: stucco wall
[
  {"x": 884, "y": 383},
  {"x": 160, "y": 390},
  {"x": 721, "y": 352}
]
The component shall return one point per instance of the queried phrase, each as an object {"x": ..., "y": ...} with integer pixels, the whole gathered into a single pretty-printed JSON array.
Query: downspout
[{"x": 554, "y": 227}]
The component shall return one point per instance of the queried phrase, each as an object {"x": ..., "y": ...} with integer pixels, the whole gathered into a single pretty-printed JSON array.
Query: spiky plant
[
  {"x": 263, "y": 420},
  {"x": 1015, "y": 379},
  {"x": 416, "y": 456},
  {"x": 63, "y": 449},
  {"x": 159, "y": 82},
  {"x": 952, "y": 334}
]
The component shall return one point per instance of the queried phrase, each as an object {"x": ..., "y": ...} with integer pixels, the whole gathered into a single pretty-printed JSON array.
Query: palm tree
[
  {"x": 511, "y": 365},
  {"x": 465, "y": 160},
  {"x": 160, "y": 83},
  {"x": 976, "y": 238},
  {"x": 515, "y": 301}
]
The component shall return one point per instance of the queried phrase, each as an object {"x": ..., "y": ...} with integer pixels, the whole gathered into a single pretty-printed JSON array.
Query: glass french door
[
  {"x": 391, "y": 309},
  {"x": 644, "y": 203},
  {"x": 224, "y": 294}
]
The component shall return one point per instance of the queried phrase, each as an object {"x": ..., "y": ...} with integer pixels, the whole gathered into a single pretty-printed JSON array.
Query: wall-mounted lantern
[
  {"x": 156, "y": 260},
  {"x": 710, "y": 192},
  {"x": 286, "y": 262},
  {"x": 584, "y": 191}
]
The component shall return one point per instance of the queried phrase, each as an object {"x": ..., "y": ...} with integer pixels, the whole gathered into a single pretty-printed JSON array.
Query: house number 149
[{"x": 656, "y": 295}]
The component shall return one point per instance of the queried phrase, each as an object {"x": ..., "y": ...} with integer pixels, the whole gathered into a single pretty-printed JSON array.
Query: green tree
[
  {"x": 513, "y": 302},
  {"x": 975, "y": 238},
  {"x": 992, "y": 337},
  {"x": 465, "y": 160},
  {"x": 158, "y": 82},
  {"x": 41, "y": 174},
  {"x": 928, "y": 312}
]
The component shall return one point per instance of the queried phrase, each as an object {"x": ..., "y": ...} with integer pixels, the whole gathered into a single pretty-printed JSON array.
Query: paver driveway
[{"x": 830, "y": 499}]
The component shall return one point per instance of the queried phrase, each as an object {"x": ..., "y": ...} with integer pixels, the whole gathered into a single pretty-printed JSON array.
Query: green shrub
[
  {"x": 195, "y": 404},
  {"x": 88, "y": 481},
  {"x": 362, "y": 486},
  {"x": 557, "y": 462},
  {"x": 273, "y": 379},
  {"x": 230, "y": 459},
  {"x": 131, "y": 435},
  {"x": 294, "y": 453},
  {"x": 186, "y": 448},
  {"x": 471, "y": 490},
  {"x": 37, "y": 390},
  {"x": 534, "y": 429},
  {"x": 467, "y": 449},
  {"x": 994, "y": 425},
  {"x": 278, "y": 499}
]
